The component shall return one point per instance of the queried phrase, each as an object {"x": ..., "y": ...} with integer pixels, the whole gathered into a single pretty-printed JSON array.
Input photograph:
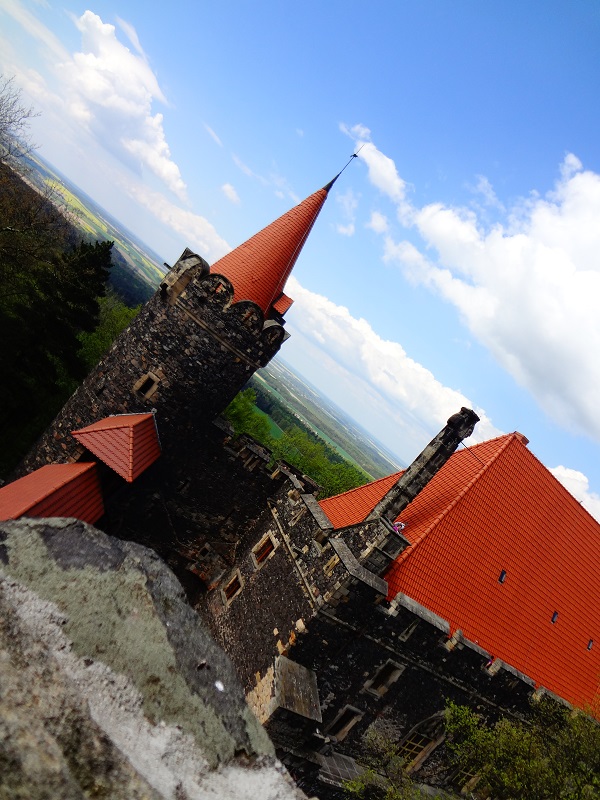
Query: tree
[
  {"x": 14, "y": 122},
  {"x": 554, "y": 755},
  {"x": 50, "y": 285},
  {"x": 384, "y": 776}
]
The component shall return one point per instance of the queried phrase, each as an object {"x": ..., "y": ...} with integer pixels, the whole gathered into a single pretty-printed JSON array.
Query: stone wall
[{"x": 110, "y": 685}]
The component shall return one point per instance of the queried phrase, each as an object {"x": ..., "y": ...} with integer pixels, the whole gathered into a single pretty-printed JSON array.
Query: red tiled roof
[
  {"x": 356, "y": 504},
  {"x": 491, "y": 508},
  {"x": 260, "y": 267},
  {"x": 127, "y": 443},
  {"x": 56, "y": 490},
  {"x": 282, "y": 304}
]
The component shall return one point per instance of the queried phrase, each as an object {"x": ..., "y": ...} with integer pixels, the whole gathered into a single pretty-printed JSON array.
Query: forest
[{"x": 57, "y": 310}]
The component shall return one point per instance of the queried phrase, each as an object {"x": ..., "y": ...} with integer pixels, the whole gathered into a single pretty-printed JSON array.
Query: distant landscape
[{"x": 137, "y": 269}]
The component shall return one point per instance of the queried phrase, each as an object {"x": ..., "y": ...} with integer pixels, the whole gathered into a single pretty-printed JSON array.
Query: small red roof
[
  {"x": 260, "y": 267},
  {"x": 56, "y": 490},
  {"x": 127, "y": 443},
  {"x": 494, "y": 509}
]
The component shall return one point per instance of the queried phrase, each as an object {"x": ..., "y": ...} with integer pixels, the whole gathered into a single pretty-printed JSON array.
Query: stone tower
[{"x": 194, "y": 344}]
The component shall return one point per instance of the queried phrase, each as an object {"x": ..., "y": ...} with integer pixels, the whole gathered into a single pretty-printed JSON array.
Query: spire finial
[{"x": 353, "y": 156}]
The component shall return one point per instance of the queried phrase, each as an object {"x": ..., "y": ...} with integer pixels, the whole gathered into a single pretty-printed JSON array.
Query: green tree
[
  {"x": 114, "y": 317},
  {"x": 553, "y": 755},
  {"x": 384, "y": 776}
]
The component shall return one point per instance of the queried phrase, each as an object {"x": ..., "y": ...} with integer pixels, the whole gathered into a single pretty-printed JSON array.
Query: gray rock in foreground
[{"x": 110, "y": 686}]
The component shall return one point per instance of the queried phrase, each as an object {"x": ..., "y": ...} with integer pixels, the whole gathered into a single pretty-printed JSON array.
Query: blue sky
[{"x": 457, "y": 260}]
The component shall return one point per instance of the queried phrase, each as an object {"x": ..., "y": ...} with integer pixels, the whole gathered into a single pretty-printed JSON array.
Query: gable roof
[
  {"x": 491, "y": 509},
  {"x": 127, "y": 443},
  {"x": 259, "y": 268},
  {"x": 55, "y": 490},
  {"x": 517, "y": 518}
]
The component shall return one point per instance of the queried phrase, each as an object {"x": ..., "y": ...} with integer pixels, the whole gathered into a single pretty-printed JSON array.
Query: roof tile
[
  {"x": 56, "y": 490},
  {"x": 127, "y": 443},
  {"x": 259, "y": 268}
]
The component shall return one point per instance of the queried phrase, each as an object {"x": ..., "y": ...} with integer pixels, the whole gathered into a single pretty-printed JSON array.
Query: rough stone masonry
[{"x": 110, "y": 686}]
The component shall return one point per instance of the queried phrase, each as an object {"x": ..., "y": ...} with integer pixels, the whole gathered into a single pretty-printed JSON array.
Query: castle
[{"x": 472, "y": 575}]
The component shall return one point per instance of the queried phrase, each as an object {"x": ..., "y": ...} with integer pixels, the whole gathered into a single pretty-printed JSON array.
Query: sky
[{"x": 457, "y": 259}]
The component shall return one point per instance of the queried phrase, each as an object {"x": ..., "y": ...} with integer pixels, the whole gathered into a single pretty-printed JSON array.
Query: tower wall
[{"x": 186, "y": 355}]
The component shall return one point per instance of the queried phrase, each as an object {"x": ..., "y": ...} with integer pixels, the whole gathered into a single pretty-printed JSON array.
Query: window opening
[
  {"x": 413, "y": 747},
  {"x": 590, "y": 644},
  {"x": 343, "y": 723},
  {"x": 502, "y": 577},
  {"x": 147, "y": 385},
  {"x": 262, "y": 551},
  {"x": 233, "y": 588},
  {"x": 385, "y": 676},
  {"x": 554, "y": 617}
]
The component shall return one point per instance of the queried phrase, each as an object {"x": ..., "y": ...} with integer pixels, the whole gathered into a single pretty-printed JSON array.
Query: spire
[{"x": 260, "y": 267}]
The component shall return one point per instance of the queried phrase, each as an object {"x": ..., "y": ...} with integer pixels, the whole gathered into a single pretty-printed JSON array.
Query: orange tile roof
[
  {"x": 56, "y": 490},
  {"x": 260, "y": 267},
  {"x": 127, "y": 443},
  {"x": 494, "y": 508}
]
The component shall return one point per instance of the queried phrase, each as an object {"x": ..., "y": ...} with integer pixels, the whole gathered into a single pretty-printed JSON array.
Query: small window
[
  {"x": 590, "y": 644},
  {"x": 263, "y": 550},
  {"x": 147, "y": 385},
  {"x": 413, "y": 747},
  {"x": 232, "y": 588},
  {"x": 554, "y": 617},
  {"x": 345, "y": 720},
  {"x": 384, "y": 678},
  {"x": 502, "y": 577}
]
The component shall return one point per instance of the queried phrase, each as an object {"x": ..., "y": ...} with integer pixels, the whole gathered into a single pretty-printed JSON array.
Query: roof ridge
[{"x": 510, "y": 437}]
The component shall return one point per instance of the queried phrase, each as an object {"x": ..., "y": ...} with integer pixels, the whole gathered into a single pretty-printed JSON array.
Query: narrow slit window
[
  {"x": 554, "y": 617},
  {"x": 590, "y": 644},
  {"x": 502, "y": 576},
  {"x": 262, "y": 551},
  {"x": 232, "y": 588}
]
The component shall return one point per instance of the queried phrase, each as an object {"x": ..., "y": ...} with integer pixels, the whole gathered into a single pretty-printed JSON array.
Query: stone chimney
[{"x": 460, "y": 426}]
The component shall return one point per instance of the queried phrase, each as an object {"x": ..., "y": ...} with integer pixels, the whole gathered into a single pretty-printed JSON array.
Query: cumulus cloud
[
  {"x": 378, "y": 222},
  {"x": 577, "y": 483},
  {"x": 230, "y": 193},
  {"x": 110, "y": 90},
  {"x": 526, "y": 285},
  {"x": 198, "y": 233},
  {"x": 401, "y": 388}
]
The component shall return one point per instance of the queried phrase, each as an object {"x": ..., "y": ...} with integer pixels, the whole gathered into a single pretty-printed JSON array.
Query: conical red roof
[{"x": 260, "y": 267}]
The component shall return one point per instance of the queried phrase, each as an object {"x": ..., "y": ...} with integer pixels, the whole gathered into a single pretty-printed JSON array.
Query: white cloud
[
  {"x": 198, "y": 233},
  {"x": 34, "y": 28},
  {"x": 212, "y": 134},
  {"x": 230, "y": 193},
  {"x": 577, "y": 483},
  {"x": 110, "y": 90},
  {"x": 484, "y": 188},
  {"x": 378, "y": 222},
  {"x": 349, "y": 203},
  {"x": 399, "y": 387},
  {"x": 526, "y": 286}
]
